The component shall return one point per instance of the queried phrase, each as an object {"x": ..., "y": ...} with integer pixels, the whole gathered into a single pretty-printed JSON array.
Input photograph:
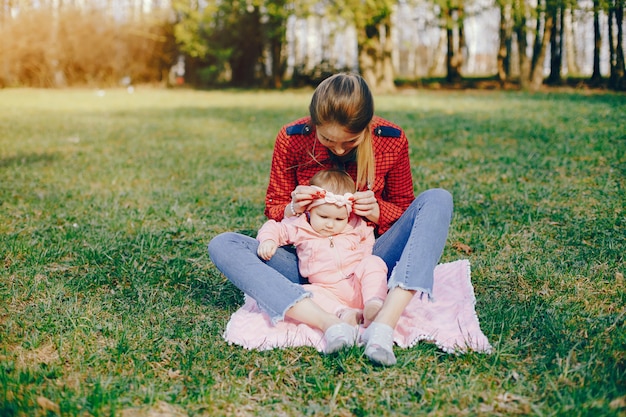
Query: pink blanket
[{"x": 449, "y": 321}]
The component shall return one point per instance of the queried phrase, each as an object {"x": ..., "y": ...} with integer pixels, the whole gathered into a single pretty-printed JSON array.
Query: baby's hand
[{"x": 267, "y": 249}]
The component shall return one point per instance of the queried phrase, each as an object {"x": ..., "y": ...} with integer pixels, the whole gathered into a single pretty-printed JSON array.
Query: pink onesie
[{"x": 341, "y": 269}]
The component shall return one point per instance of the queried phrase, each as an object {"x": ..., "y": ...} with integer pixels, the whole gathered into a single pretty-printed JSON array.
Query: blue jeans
[{"x": 411, "y": 248}]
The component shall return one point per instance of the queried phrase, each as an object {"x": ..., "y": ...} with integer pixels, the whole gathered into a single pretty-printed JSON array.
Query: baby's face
[{"x": 328, "y": 219}]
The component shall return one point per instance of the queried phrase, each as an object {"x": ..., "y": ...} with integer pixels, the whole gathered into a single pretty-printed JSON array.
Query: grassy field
[{"x": 109, "y": 304}]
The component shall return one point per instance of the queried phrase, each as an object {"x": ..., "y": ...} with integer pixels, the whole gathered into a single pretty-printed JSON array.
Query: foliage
[
  {"x": 372, "y": 20},
  {"x": 244, "y": 43},
  {"x": 111, "y": 306},
  {"x": 230, "y": 37},
  {"x": 83, "y": 47},
  {"x": 191, "y": 28}
]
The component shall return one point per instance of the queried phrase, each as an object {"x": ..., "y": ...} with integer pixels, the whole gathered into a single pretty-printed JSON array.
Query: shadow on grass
[{"x": 22, "y": 159}]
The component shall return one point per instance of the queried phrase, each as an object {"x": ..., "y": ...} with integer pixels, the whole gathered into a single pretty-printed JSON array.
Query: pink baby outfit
[{"x": 341, "y": 269}]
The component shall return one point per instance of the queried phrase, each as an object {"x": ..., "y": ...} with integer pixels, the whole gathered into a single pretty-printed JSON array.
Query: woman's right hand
[{"x": 301, "y": 197}]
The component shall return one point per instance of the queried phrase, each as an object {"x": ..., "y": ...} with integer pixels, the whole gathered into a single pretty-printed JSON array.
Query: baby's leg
[
  {"x": 372, "y": 274},
  {"x": 341, "y": 335},
  {"x": 328, "y": 301},
  {"x": 370, "y": 310},
  {"x": 352, "y": 316}
]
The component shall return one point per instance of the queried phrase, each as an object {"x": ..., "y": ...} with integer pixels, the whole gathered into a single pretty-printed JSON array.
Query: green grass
[{"x": 109, "y": 304}]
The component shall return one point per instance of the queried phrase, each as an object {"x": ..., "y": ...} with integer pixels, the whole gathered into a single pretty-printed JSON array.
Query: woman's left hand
[{"x": 365, "y": 205}]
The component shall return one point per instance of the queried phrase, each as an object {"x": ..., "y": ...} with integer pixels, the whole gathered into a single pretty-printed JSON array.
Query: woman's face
[{"x": 336, "y": 138}]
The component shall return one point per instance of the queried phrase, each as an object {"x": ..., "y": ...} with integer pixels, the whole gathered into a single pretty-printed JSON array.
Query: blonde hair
[
  {"x": 334, "y": 180},
  {"x": 346, "y": 100}
]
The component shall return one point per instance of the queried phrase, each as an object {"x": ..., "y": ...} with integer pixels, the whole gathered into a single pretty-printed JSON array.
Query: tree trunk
[
  {"x": 612, "y": 55},
  {"x": 524, "y": 60},
  {"x": 619, "y": 49},
  {"x": 596, "y": 76},
  {"x": 536, "y": 79},
  {"x": 276, "y": 32},
  {"x": 375, "y": 60},
  {"x": 503, "y": 62},
  {"x": 508, "y": 67},
  {"x": 461, "y": 52},
  {"x": 538, "y": 37},
  {"x": 570, "y": 46},
  {"x": 556, "y": 45},
  {"x": 521, "y": 32},
  {"x": 247, "y": 58},
  {"x": 278, "y": 67},
  {"x": 454, "y": 57},
  {"x": 367, "y": 61},
  {"x": 451, "y": 74},
  {"x": 438, "y": 55},
  {"x": 387, "y": 84}
]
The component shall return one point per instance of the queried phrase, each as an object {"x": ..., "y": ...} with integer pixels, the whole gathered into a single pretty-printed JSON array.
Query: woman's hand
[
  {"x": 266, "y": 249},
  {"x": 365, "y": 205},
  {"x": 301, "y": 197}
]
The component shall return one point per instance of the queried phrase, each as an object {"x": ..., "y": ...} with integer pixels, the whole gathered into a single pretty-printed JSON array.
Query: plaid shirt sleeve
[
  {"x": 393, "y": 185},
  {"x": 291, "y": 153},
  {"x": 282, "y": 179}
]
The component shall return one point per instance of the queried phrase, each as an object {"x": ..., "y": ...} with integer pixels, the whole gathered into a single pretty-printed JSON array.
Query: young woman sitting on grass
[{"x": 343, "y": 132}]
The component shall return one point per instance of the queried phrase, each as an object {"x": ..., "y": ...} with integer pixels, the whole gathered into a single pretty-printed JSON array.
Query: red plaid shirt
[{"x": 298, "y": 155}]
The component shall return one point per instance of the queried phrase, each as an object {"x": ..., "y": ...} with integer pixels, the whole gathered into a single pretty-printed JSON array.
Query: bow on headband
[{"x": 325, "y": 197}]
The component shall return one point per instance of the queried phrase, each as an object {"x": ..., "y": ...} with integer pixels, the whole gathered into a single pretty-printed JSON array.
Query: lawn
[{"x": 110, "y": 305}]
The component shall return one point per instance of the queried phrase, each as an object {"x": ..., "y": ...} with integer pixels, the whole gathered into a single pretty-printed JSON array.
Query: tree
[
  {"x": 571, "y": 50},
  {"x": 192, "y": 31},
  {"x": 620, "y": 64},
  {"x": 375, "y": 48},
  {"x": 242, "y": 34},
  {"x": 372, "y": 20},
  {"x": 596, "y": 77},
  {"x": 561, "y": 39},
  {"x": 556, "y": 42},
  {"x": 505, "y": 40},
  {"x": 617, "y": 79},
  {"x": 531, "y": 68},
  {"x": 541, "y": 46},
  {"x": 275, "y": 32},
  {"x": 227, "y": 40},
  {"x": 520, "y": 27},
  {"x": 452, "y": 12}
]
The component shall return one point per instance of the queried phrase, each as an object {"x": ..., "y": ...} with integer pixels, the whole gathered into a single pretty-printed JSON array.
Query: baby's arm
[
  {"x": 267, "y": 249},
  {"x": 272, "y": 235}
]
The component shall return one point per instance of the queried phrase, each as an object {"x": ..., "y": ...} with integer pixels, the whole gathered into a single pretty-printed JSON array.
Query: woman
[{"x": 342, "y": 132}]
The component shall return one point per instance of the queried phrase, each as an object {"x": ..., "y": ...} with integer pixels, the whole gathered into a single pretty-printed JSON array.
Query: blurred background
[{"x": 523, "y": 44}]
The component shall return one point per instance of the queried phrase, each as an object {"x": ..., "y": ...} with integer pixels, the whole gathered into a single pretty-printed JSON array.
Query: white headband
[{"x": 345, "y": 200}]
